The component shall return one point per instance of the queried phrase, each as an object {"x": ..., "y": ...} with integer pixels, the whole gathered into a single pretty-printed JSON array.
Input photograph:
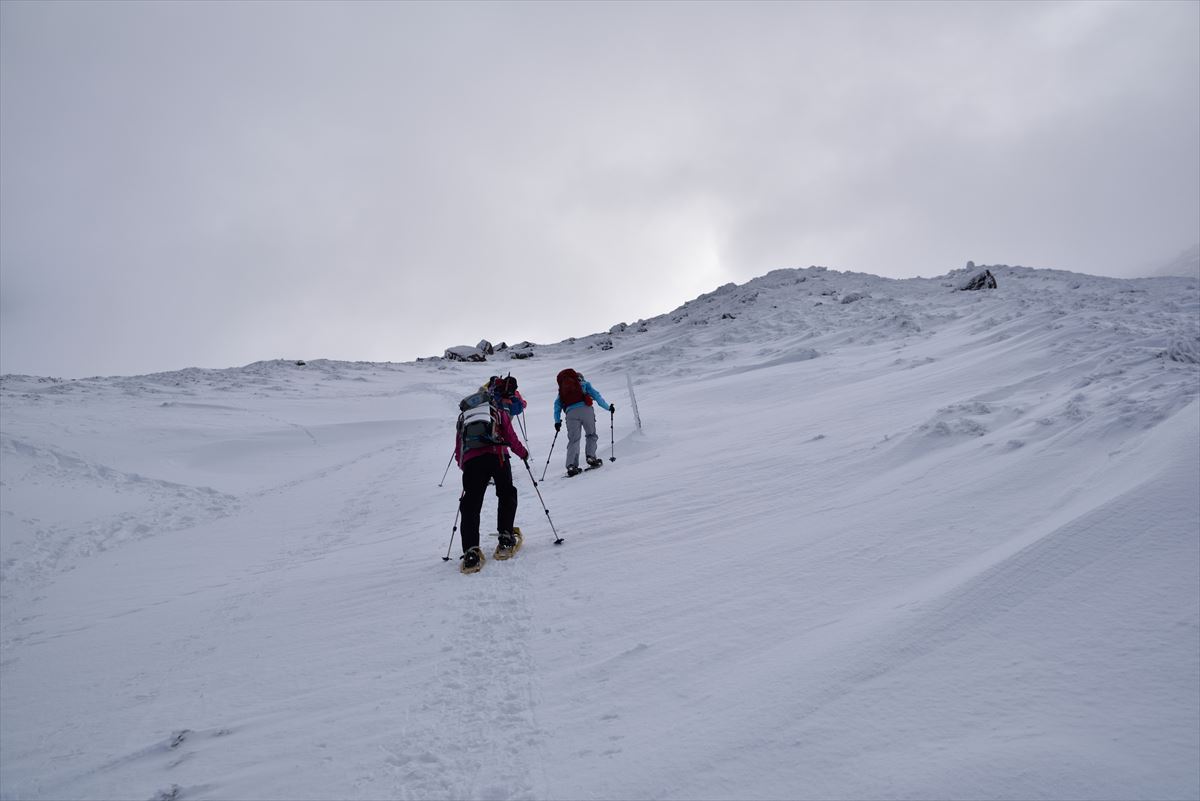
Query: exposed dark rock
[
  {"x": 464, "y": 353},
  {"x": 983, "y": 280}
]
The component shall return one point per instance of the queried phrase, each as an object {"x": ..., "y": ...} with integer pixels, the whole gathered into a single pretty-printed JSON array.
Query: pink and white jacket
[{"x": 510, "y": 437}]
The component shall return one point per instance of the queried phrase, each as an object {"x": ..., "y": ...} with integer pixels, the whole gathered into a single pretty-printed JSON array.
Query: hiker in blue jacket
[{"x": 575, "y": 397}]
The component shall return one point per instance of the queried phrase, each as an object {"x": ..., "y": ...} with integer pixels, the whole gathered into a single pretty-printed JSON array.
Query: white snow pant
[{"x": 581, "y": 417}]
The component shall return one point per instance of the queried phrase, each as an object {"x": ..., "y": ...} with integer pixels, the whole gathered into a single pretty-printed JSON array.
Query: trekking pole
[
  {"x": 548, "y": 455},
  {"x": 521, "y": 425},
  {"x": 612, "y": 437},
  {"x": 454, "y": 530},
  {"x": 443, "y": 481},
  {"x": 557, "y": 539}
]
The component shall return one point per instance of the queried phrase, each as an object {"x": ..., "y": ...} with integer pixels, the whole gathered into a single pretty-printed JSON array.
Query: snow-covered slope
[{"x": 876, "y": 539}]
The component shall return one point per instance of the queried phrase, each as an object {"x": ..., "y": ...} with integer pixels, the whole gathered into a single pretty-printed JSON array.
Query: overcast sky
[{"x": 210, "y": 184}]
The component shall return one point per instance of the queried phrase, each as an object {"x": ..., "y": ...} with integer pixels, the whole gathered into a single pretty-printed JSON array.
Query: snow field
[{"x": 923, "y": 544}]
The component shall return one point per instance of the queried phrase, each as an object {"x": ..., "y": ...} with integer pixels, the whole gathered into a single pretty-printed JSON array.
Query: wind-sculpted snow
[
  {"x": 875, "y": 539},
  {"x": 1184, "y": 348},
  {"x": 128, "y": 506}
]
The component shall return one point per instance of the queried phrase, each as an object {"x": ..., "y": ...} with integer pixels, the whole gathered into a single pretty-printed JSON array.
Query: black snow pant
[{"x": 475, "y": 475}]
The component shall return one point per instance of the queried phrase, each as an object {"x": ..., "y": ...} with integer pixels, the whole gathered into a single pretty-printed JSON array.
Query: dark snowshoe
[
  {"x": 593, "y": 463},
  {"x": 472, "y": 560},
  {"x": 573, "y": 471},
  {"x": 509, "y": 543}
]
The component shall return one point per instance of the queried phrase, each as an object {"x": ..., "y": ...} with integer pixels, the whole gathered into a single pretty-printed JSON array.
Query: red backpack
[{"x": 570, "y": 389}]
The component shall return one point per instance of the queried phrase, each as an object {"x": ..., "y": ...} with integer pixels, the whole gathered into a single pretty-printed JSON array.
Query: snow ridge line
[
  {"x": 54, "y": 547},
  {"x": 61, "y": 464}
]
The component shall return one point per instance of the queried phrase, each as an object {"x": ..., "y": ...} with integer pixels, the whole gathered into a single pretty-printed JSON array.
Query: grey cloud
[{"x": 215, "y": 183}]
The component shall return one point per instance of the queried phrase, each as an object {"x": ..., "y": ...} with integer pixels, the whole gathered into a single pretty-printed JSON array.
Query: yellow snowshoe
[
  {"x": 509, "y": 544},
  {"x": 472, "y": 560}
]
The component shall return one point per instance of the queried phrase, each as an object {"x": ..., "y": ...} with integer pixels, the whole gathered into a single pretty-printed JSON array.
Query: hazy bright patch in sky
[{"x": 215, "y": 183}]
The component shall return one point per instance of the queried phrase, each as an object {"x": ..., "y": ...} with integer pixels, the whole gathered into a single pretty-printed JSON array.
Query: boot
[
  {"x": 472, "y": 560},
  {"x": 508, "y": 543}
]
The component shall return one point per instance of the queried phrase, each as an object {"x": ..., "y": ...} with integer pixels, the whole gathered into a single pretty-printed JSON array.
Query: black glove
[
  {"x": 557, "y": 426},
  {"x": 612, "y": 407}
]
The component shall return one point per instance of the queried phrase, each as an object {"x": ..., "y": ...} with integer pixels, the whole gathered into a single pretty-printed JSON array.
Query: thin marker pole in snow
[
  {"x": 557, "y": 539},
  {"x": 454, "y": 530},
  {"x": 637, "y": 418}
]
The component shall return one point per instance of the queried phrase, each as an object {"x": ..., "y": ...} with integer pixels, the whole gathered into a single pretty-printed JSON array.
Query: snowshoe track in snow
[{"x": 483, "y": 696}]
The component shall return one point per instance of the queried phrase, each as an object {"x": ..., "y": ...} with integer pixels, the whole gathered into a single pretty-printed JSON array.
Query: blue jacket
[
  {"x": 514, "y": 405},
  {"x": 588, "y": 390}
]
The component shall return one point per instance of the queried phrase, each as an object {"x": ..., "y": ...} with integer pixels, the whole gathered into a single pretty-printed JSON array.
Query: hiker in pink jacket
[{"x": 482, "y": 439}]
